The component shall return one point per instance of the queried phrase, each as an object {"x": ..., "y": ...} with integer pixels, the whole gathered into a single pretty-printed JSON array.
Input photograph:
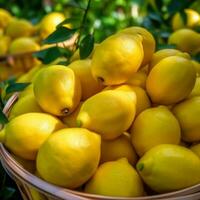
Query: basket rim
[{"x": 63, "y": 193}]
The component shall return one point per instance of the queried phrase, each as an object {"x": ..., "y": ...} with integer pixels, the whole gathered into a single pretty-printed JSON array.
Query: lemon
[
  {"x": 117, "y": 58},
  {"x": 57, "y": 90},
  {"x": 27, "y": 91},
  {"x": 148, "y": 41},
  {"x": 70, "y": 120},
  {"x": 187, "y": 112},
  {"x": 120, "y": 147},
  {"x": 164, "y": 53},
  {"x": 171, "y": 80},
  {"x": 19, "y": 28},
  {"x": 89, "y": 86},
  {"x": 116, "y": 178},
  {"x": 196, "y": 149},
  {"x": 197, "y": 67},
  {"x": 196, "y": 89},
  {"x": 154, "y": 126},
  {"x": 108, "y": 113},
  {"x": 193, "y": 19},
  {"x": 5, "y": 18},
  {"x": 24, "y": 134},
  {"x": 142, "y": 100},
  {"x": 169, "y": 167},
  {"x": 186, "y": 40},
  {"x": 49, "y": 23},
  {"x": 4, "y": 43},
  {"x": 24, "y": 105},
  {"x": 138, "y": 79},
  {"x": 69, "y": 157}
]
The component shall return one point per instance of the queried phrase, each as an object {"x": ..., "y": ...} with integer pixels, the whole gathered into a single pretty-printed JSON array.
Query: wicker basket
[{"x": 28, "y": 182}]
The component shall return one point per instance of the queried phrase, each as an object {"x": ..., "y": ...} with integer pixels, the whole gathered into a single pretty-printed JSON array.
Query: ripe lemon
[
  {"x": 142, "y": 100},
  {"x": 171, "y": 80},
  {"x": 120, "y": 147},
  {"x": 5, "y": 18},
  {"x": 148, "y": 41},
  {"x": 197, "y": 67},
  {"x": 108, "y": 113},
  {"x": 164, "y": 53},
  {"x": 196, "y": 89},
  {"x": 196, "y": 149},
  {"x": 116, "y": 178},
  {"x": 187, "y": 112},
  {"x": 24, "y": 105},
  {"x": 24, "y": 134},
  {"x": 186, "y": 40},
  {"x": 89, "y": 85},
  {"x": 69, "y": 157},
  {"x": 193, "y": 19},
  {"x": 138, "y": 79},
  {"x": 169, "y": 167},
  {"x": 154, "y": 126},
  {"x": 19, "y": 28},
  {"x": 4, "y": 44},
  {"x": 57, "y": 90},
  {"x": 117, "y": 58},
  {"x": 70, "y": 120}
]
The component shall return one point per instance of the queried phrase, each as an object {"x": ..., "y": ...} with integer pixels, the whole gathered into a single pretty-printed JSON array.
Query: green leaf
[
  {"x": 61, "y": 34},
  {"x": 166, "y": 46},
  {"x": 49, "y": 55},
  {"x": 86, "y": 46},
  {"x": 3, "y": 118},
  {"x": 7, "y": 193},
  {"x": 15, "y": 87}
]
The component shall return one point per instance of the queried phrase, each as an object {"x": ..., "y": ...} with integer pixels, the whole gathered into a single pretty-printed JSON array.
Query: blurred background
[{"x": 104, "y": 17}]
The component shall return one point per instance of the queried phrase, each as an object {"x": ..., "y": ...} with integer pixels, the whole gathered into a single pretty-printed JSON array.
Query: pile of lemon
[
  {"x": 124, "y": 122},
  {"x": 20, "y": 36}
]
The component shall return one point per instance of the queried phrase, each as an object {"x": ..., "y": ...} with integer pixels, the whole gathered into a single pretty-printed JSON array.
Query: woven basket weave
[{"x": 25, "y": 181}]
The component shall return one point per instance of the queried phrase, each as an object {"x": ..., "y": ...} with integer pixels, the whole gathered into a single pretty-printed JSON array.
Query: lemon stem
[
  {"x": 140, "y": 166},
  {"x": 2, "y": 135}
]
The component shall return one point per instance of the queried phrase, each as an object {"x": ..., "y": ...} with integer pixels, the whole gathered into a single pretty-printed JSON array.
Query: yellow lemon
[
  {"x": 138, "y": 79},
  {"x": 69, "y": 157},
  {"x": 57, "y": 90},
  {"x": 169, "y": 167},
  {"x": 196, "y": 149},
  {"x": 108, "y": 113},
  {"x": 154, "y": 126},
  {"x": 142, "y": 100},
  {"x": 148, "y": 41},
  {"x": 186, "y": 40},
  {"x": 49, "y": 23},
  {"x": 27, "y": 91},
  {"x": 4, "y": 44},
  {"x": 197, "y": 67},
  {"x": 70, "y": 120},
  {"x": 19, "y": 28},
  {"x": 24, "y": 134},
  {"x": 171, "y": 80},
  {"x": 89, "y": 85},
  {"x": 164, "y": 53},
  {"x": 192, "y": 20},
  {"x": 117, "y": 58},
  {"x": 196, "y": 89},
  {"x": 5, "y": 18},
  {"x": 120, "y": 147},
  {"x": 24, "y": 105},
  {"x": 117, "y": 179},
  {"x": 187, "y": 112}
]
